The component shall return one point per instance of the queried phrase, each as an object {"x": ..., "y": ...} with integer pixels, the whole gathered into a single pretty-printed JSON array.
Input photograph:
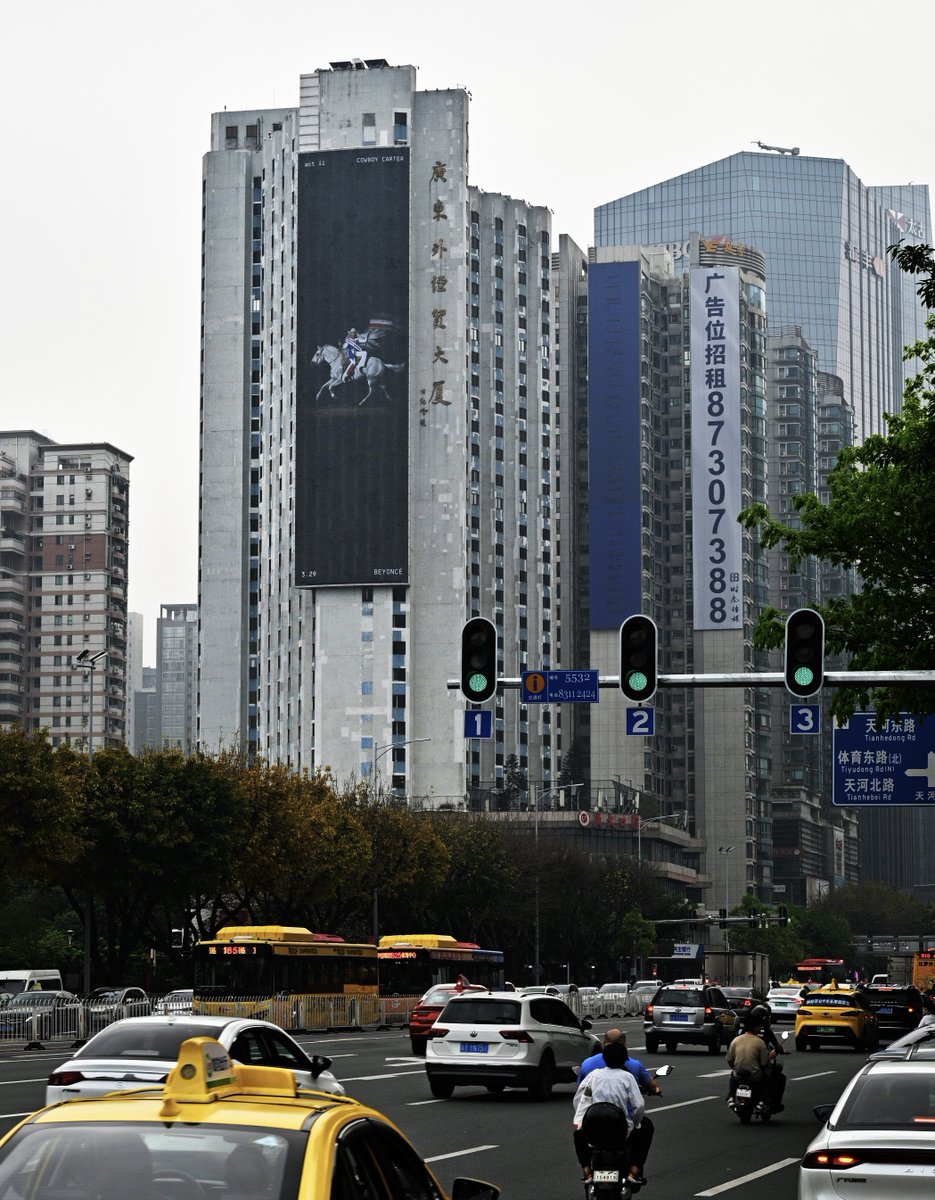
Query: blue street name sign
[
  {"x": 478, "y": 723},
  {"x": 560, "y": 687},
  {"x": 884, "y": 763}
]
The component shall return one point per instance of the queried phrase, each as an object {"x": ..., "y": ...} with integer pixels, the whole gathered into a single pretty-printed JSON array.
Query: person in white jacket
[{"x": 610, "y": 1084}]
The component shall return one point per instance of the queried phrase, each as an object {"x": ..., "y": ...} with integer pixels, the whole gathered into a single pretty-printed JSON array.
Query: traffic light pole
[{"x": 745, "y": 679}]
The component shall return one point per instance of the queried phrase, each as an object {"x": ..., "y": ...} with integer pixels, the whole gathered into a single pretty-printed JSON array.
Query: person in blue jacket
[{"x": 642, "y": 1137}]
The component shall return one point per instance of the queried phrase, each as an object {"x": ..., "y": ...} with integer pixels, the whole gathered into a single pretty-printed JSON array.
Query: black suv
[
  {"x": 897, "y": 1009},
  {"x": 698, "y": 1015}
]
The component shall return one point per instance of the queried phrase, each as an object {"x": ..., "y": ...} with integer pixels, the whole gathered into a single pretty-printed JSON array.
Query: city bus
[
  {"x": 816, "y": 972},
  {"x": 286, "y": 974},
  {"x": 411, "y": 963}
]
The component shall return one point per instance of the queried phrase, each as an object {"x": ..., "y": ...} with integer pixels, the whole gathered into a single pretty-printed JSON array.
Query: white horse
[{"x": 373, "y": 370}]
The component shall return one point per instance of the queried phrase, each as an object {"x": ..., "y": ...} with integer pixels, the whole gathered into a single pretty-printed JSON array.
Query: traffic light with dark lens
[
  {"x": 478, "y": 659},
  {"x": 804, "y": 662},
  {"x": 639, "y": 659},
  {"x": 783, "y": 915}
]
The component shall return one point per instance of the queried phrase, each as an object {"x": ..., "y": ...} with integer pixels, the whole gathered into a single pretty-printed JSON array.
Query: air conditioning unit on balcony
[{"x": 71, "y": 545}]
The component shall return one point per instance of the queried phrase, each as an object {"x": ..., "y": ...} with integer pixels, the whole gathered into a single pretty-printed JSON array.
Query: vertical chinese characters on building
[
  {"x": 716, "y": 459},
  {"x": 439, "y": 283}
]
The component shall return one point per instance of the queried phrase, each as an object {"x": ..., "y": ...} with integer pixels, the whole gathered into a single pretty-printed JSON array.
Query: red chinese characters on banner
[{"x": 629, "y": 822}]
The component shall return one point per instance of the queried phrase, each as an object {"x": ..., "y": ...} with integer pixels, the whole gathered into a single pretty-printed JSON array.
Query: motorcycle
[
  {"x": 606, "y": 1129},
  {"x": 748, "y": 1100}
]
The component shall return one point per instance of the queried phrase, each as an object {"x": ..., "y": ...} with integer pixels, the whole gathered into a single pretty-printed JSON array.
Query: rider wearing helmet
[
  {"x": 759, "y": 1017},
  {"x": 751, "y": 1052}
]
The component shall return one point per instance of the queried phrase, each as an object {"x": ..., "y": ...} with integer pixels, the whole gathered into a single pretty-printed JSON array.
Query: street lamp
[
  {"x": 87, "y": 662},
  {"x": 726, "y": 850},
  {"x": 679, "y": 816},
  {"x": 385, "y": 749},
  {"x": 536, "y": 798}
]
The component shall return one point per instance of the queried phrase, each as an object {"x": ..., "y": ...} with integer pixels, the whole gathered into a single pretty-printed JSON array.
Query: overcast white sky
[{"x": 107, "y": 113}]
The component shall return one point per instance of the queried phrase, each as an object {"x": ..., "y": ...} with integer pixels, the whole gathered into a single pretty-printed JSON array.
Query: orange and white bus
[
  {"x": 286, "y": 974},
  {"x": 411, "y": 963}
]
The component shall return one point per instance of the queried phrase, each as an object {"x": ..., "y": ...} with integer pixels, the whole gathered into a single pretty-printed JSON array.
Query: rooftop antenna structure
[{"x": 779, "y": 149}]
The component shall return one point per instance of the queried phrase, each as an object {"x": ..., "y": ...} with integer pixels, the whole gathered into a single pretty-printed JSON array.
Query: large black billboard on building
[{"x": 352, "y": 373}]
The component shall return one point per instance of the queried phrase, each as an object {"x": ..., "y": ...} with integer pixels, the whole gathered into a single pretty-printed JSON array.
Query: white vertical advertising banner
[{"x": 717, "y": 545}]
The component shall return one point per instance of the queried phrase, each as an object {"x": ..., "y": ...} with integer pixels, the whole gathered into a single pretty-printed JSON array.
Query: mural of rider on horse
[{"x": 362, "y": 356}]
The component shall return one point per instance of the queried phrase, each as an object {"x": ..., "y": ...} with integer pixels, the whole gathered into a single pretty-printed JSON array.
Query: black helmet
[{"x": 757, "y": 1016}]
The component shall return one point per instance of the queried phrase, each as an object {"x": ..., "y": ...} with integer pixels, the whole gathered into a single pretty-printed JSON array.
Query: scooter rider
[
  {"x": 760, "y": 1016},
  {"x": 749, "y": 1053},
  {"x": 641, "y": 1138},
  {"x": 610, "y": 1084}
]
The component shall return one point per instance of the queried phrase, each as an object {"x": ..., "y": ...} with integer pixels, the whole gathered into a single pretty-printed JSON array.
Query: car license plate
[
  {"x": 884, "y": 1010},
  {"x": 680, "y": 1017},
  {"x": 743, "y": 1092},
  {"x": 606, "y": 1176},
  {"x": 473, "y": 1047},
  {"x": 827, "y": 1029}
]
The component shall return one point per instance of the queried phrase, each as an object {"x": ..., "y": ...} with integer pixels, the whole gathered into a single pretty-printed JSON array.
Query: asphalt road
[{"x": 700, "y": 1149}]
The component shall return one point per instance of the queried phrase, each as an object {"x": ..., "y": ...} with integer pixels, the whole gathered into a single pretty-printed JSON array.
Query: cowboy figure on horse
[{"x": 355, "y": 352}]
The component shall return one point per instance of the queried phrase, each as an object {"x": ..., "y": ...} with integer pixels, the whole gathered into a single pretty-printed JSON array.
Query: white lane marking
[
  {"x": 459, "y": 1153},
  {"x": 715, "y": 1074},
  {"x": 817, "y": 1075},
  {"x": 384, "y": 1075},
  {"x": 416, "y": 1103},
  {"x": 7, "y": 1082},
  {"x": 681, "y": 1104},
  {"x": 404, "y": 1058},
  {"x": 726, "y": 1187},
  {"x": 3, "y": 1116}
]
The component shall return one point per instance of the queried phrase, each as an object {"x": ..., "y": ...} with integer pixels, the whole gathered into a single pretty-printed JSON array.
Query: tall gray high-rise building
[
  {"x": 386, "y": 446},
  {"x": 824, "y": 235},
  {"x": 176, "y": 675},
  {"x": 63, "y": 579},
  {"x": 840, "y": 313}
]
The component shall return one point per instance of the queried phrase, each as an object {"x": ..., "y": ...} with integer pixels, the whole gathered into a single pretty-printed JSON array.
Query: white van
[{"x": 14, "y": 982}]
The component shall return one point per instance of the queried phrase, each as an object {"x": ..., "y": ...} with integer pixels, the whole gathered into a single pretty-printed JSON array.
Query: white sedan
[
  {"x": 877, "y": 1140},
  {"x": 140, "y": 1052},
  {"x": 784, "y": 1002}
]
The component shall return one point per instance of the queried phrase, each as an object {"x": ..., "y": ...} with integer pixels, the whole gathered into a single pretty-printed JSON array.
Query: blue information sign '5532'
[
  {"x": 560, "y": 687},
  {"x": 884, "y": 763}
]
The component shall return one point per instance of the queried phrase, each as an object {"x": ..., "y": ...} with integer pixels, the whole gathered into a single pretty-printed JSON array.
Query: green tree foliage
[
  {"x": 480, "y": 885},
  {"x": 918, "y": 260},
  {"x": 878, "y": 520},
  {"x": 783, "y": 944},
  {"x": 824, "y": 934},
  {"x": 872, "y": 908},
  {"x": 39, "y": 811},
  {"x": 514, "y": 781}
]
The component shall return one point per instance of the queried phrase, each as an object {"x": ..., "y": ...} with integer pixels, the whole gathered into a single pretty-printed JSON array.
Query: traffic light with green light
[
  {"x": 804, "y": 660},
  {"x": 639, "y": 659},
  {"x": 478, "y": 659}
]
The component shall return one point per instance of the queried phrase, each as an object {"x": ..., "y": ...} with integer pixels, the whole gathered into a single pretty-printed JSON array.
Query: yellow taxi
[
  {"x": 217, "y": 1131},
  {"x": 835, "y": 1015}
]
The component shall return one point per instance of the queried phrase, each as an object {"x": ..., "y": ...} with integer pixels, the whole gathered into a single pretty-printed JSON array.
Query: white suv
[{"x": 506, "y": 1039}]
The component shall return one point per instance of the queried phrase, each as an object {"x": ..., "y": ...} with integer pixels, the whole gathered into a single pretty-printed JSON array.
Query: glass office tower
[{"x": 825, "y": 237}]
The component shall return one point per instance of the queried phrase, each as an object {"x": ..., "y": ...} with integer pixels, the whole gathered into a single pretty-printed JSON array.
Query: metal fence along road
[
  {"x": 40, "y": 1020},
  {"x": 75, "y": 1020}
]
